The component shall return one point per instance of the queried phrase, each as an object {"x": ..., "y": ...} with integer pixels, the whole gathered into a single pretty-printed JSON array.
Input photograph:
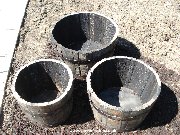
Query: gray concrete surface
[{"x": 11, "y": 14}]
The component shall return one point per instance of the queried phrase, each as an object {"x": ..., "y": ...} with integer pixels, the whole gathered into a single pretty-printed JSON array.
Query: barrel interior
[
  {"x": 84, "y": 32},
  {"x": 124, "y": 83},
  {"x": 42, "y": 81}
]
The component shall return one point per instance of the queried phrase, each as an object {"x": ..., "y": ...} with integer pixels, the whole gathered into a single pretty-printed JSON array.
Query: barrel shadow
[
  {"x": 81, "y": 111},
  {"x": 126, "y": 48},
  {"x": 166, "y": 106},
  {"x": 163, "y": 111}
]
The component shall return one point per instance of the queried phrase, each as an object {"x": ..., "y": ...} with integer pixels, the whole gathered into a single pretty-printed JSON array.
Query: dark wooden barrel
[
  {"x": 122, "y": 90},
  {"x": 43, "y": 89},
  {"x": 82, "y": 39}
]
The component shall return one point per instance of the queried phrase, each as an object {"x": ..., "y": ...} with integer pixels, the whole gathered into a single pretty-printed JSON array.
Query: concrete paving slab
[{"x": 11, "y": 14}]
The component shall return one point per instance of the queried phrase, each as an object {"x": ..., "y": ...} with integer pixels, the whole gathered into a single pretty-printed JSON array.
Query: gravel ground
[{"x": 148, "y": 29}]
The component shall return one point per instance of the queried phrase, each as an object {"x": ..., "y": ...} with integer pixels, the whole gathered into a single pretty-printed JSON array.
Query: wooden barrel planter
[
  {"x": 122, "y": 91},
  {"x": 82, "y": 39},
  {"x": 43, "y": 89}
]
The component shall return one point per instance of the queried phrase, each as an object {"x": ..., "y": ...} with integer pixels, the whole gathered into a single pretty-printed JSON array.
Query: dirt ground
[{"x": 148, "y": 29}]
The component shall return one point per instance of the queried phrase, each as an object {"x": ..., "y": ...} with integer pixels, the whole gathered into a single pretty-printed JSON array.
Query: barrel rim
[
  {"x": 106, "y": 105},
  {"x": 86, "y": 12},
  {"x": 67, "y": 90}
]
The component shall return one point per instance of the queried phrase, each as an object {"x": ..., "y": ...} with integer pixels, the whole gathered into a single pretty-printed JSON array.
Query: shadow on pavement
[
  {"x": 81, "y": 111},
  {"x": 126, "y": 48},
  {"x": 163, "y": 111}
]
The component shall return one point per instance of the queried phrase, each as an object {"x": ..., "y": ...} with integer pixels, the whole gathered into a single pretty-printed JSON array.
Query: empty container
[
  {"x": 122, "y": 91},
  {"x": 43, "y": 89},
  {"x": 82, "y": 39}
]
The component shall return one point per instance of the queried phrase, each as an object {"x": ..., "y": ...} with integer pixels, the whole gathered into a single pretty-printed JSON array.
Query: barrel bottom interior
[{"x": 120, "y": 97}]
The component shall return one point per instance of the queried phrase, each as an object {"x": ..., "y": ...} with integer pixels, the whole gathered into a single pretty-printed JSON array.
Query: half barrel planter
[
  {"x": 122, "y": 91},
  {"x": 43, "y": 89},
  {"x": 82, "y": 39}
]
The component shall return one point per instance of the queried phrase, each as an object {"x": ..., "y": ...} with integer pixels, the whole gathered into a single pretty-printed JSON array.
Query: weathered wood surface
[
  {"x": 82, "y": 39},
  {"x": 43, "y": 90},
  {"x": 126, "y": 74}
]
